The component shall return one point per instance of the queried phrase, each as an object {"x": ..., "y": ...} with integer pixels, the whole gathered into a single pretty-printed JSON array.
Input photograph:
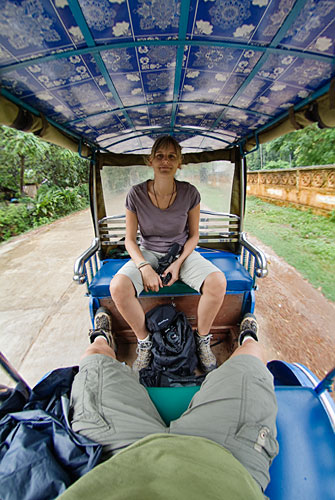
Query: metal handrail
[
  {"x": 79, "y": 275},
  {"x": 261, "y": 267},
  {"x": 11, "y": 371},
  {"x": 221, "y": 214},
  {"x": 210, "y": 231},
  {"x": 202, "y": 212},
  {"x": 256, "y": 257}
]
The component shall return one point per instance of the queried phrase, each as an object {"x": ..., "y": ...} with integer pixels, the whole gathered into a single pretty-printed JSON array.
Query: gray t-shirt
[{"x": 159, "y": 229}]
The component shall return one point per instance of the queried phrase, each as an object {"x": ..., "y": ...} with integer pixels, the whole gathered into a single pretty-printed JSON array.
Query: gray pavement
[{"x": 44, "y": 316}]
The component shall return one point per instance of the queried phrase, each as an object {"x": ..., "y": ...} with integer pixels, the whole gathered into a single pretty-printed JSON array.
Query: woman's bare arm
[{"x": 151, "y": 280}]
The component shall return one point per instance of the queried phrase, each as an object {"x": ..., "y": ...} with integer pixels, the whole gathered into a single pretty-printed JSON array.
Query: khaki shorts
[
  {"x": 193, "y": 271},
  {"x": 235, "y": 407}
]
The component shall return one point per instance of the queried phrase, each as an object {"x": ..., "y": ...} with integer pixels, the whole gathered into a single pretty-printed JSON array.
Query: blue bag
[{"x": 40, "y": 456}]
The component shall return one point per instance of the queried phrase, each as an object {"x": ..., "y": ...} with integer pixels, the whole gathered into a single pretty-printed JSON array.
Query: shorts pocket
[
  {"x": 258, "y": 438},
  {"x": 254, "y": 446},
  {"x": 86, "y": 403}
]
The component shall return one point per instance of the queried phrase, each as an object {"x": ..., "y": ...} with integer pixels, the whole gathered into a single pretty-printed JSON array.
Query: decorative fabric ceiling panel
[{"x": 118, "y": 73}]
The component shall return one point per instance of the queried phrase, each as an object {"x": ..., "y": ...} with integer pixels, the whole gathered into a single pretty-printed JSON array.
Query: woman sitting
[{"x": 166, "y": 211}]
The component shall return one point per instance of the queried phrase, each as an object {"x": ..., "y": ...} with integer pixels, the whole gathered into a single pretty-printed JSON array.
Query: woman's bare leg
[
  {"x": 123, "y": 294},
  {"x": 213, "y": 292}
]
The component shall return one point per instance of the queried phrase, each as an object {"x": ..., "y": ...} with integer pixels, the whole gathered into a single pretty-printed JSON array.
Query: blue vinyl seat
[{"x": 238, "y": 278}]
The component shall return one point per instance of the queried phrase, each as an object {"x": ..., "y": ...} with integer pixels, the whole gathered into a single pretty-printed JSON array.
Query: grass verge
[{"x": 304, "y": 240}]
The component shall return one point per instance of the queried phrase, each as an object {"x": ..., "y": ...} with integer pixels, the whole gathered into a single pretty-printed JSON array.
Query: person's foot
[
  {"x": 103, "y": 327},
  {"x": 206, "y": 356},
  {"x": 143, "y": 355},
  {"x": 248, "y": 328}
]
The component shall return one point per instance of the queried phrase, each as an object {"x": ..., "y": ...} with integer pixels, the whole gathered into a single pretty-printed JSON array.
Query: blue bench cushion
[
  {"x": 238, "y": 279},
  {"x": 305, "y": 466}
]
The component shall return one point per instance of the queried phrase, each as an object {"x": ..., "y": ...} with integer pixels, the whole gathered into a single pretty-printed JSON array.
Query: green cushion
[
  {"x": 178, "y": 288},
  {"x": 171, "y": 402}
]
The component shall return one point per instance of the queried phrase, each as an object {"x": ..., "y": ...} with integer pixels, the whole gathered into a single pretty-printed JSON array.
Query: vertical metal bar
[
  {"x": 87, "y": 281},
  {"x": 249, "y": 262},
  {"x": 243, "y": 168},
  {"x": 96, "y": 264},
  {"x": 244, "y": 257},
  {"x": 95, "y": 203},
  {"x": 90, "y": 269}
]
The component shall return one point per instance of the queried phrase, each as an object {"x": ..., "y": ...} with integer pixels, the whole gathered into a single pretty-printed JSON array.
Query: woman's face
[{"x": 165, "y": 161}]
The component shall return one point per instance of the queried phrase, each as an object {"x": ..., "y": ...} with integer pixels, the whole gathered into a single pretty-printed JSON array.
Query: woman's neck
[
  {"x": 163, "y": 186},
  {"x": 162, "y": 194}
]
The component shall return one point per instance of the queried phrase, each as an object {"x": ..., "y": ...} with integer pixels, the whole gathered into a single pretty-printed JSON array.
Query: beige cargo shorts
[{"x": 235, "y": 407}]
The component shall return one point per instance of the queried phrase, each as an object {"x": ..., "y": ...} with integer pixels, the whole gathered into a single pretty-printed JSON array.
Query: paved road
[{"x": 44, "y": 316}]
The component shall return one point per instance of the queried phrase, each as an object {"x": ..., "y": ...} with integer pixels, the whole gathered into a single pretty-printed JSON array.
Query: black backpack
[{"x": 174, "y": 356}]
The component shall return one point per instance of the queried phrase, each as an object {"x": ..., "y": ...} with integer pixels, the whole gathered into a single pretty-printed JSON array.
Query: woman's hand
[
  {"x": 151, "y": 280},
  {"x": 174, "y": 269}
]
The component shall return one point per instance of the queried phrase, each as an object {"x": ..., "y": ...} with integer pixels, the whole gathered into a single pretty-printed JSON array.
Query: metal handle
[
  {"x": 12, "y": 372},
  {"x": 79, "y": 275},
  {"x": 260, "y": 258}
]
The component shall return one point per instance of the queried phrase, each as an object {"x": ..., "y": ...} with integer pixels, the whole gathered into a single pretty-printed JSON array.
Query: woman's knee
[
  {"x": 215, "y": 284},
  {"x": 121, "y": 288}
]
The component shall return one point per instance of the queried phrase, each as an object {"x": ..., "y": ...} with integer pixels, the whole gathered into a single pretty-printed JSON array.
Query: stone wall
[{"x": 305, "y": 187}]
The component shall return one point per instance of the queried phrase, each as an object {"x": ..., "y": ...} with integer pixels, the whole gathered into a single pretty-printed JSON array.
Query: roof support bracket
[{"x": 245, "y": 153}]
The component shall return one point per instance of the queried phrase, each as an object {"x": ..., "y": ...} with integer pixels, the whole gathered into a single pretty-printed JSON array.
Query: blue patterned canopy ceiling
[{"x": 120, "y": 72}]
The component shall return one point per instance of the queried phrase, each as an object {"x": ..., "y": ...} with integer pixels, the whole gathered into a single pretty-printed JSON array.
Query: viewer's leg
[
  {"x": 236, "y": 407},
  {"x": 251, "y": 348},
  {"x": 109, "y": 405},
  {"x": 99, "y": 346}
]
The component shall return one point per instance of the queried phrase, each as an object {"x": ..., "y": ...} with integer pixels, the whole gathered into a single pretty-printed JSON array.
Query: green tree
[
  {"x": 24, "y": 157},
  {"x": 62, "y": 168},
  {"x": 18, "y": 150},
  {"x": 315, "y": 147},
  {"x": 306, "y": 147}
]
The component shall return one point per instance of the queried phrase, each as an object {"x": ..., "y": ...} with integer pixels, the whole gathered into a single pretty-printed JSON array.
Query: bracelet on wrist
[{"x": 142, "y": 264}]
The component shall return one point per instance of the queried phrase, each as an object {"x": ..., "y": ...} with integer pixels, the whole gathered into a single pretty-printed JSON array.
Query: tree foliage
[
  {"x": 50, "y": 204},
  {"x": 24, "y": 158},
  {"x": 306, "y": 147},
  {"x": 60, "y": 174}
]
